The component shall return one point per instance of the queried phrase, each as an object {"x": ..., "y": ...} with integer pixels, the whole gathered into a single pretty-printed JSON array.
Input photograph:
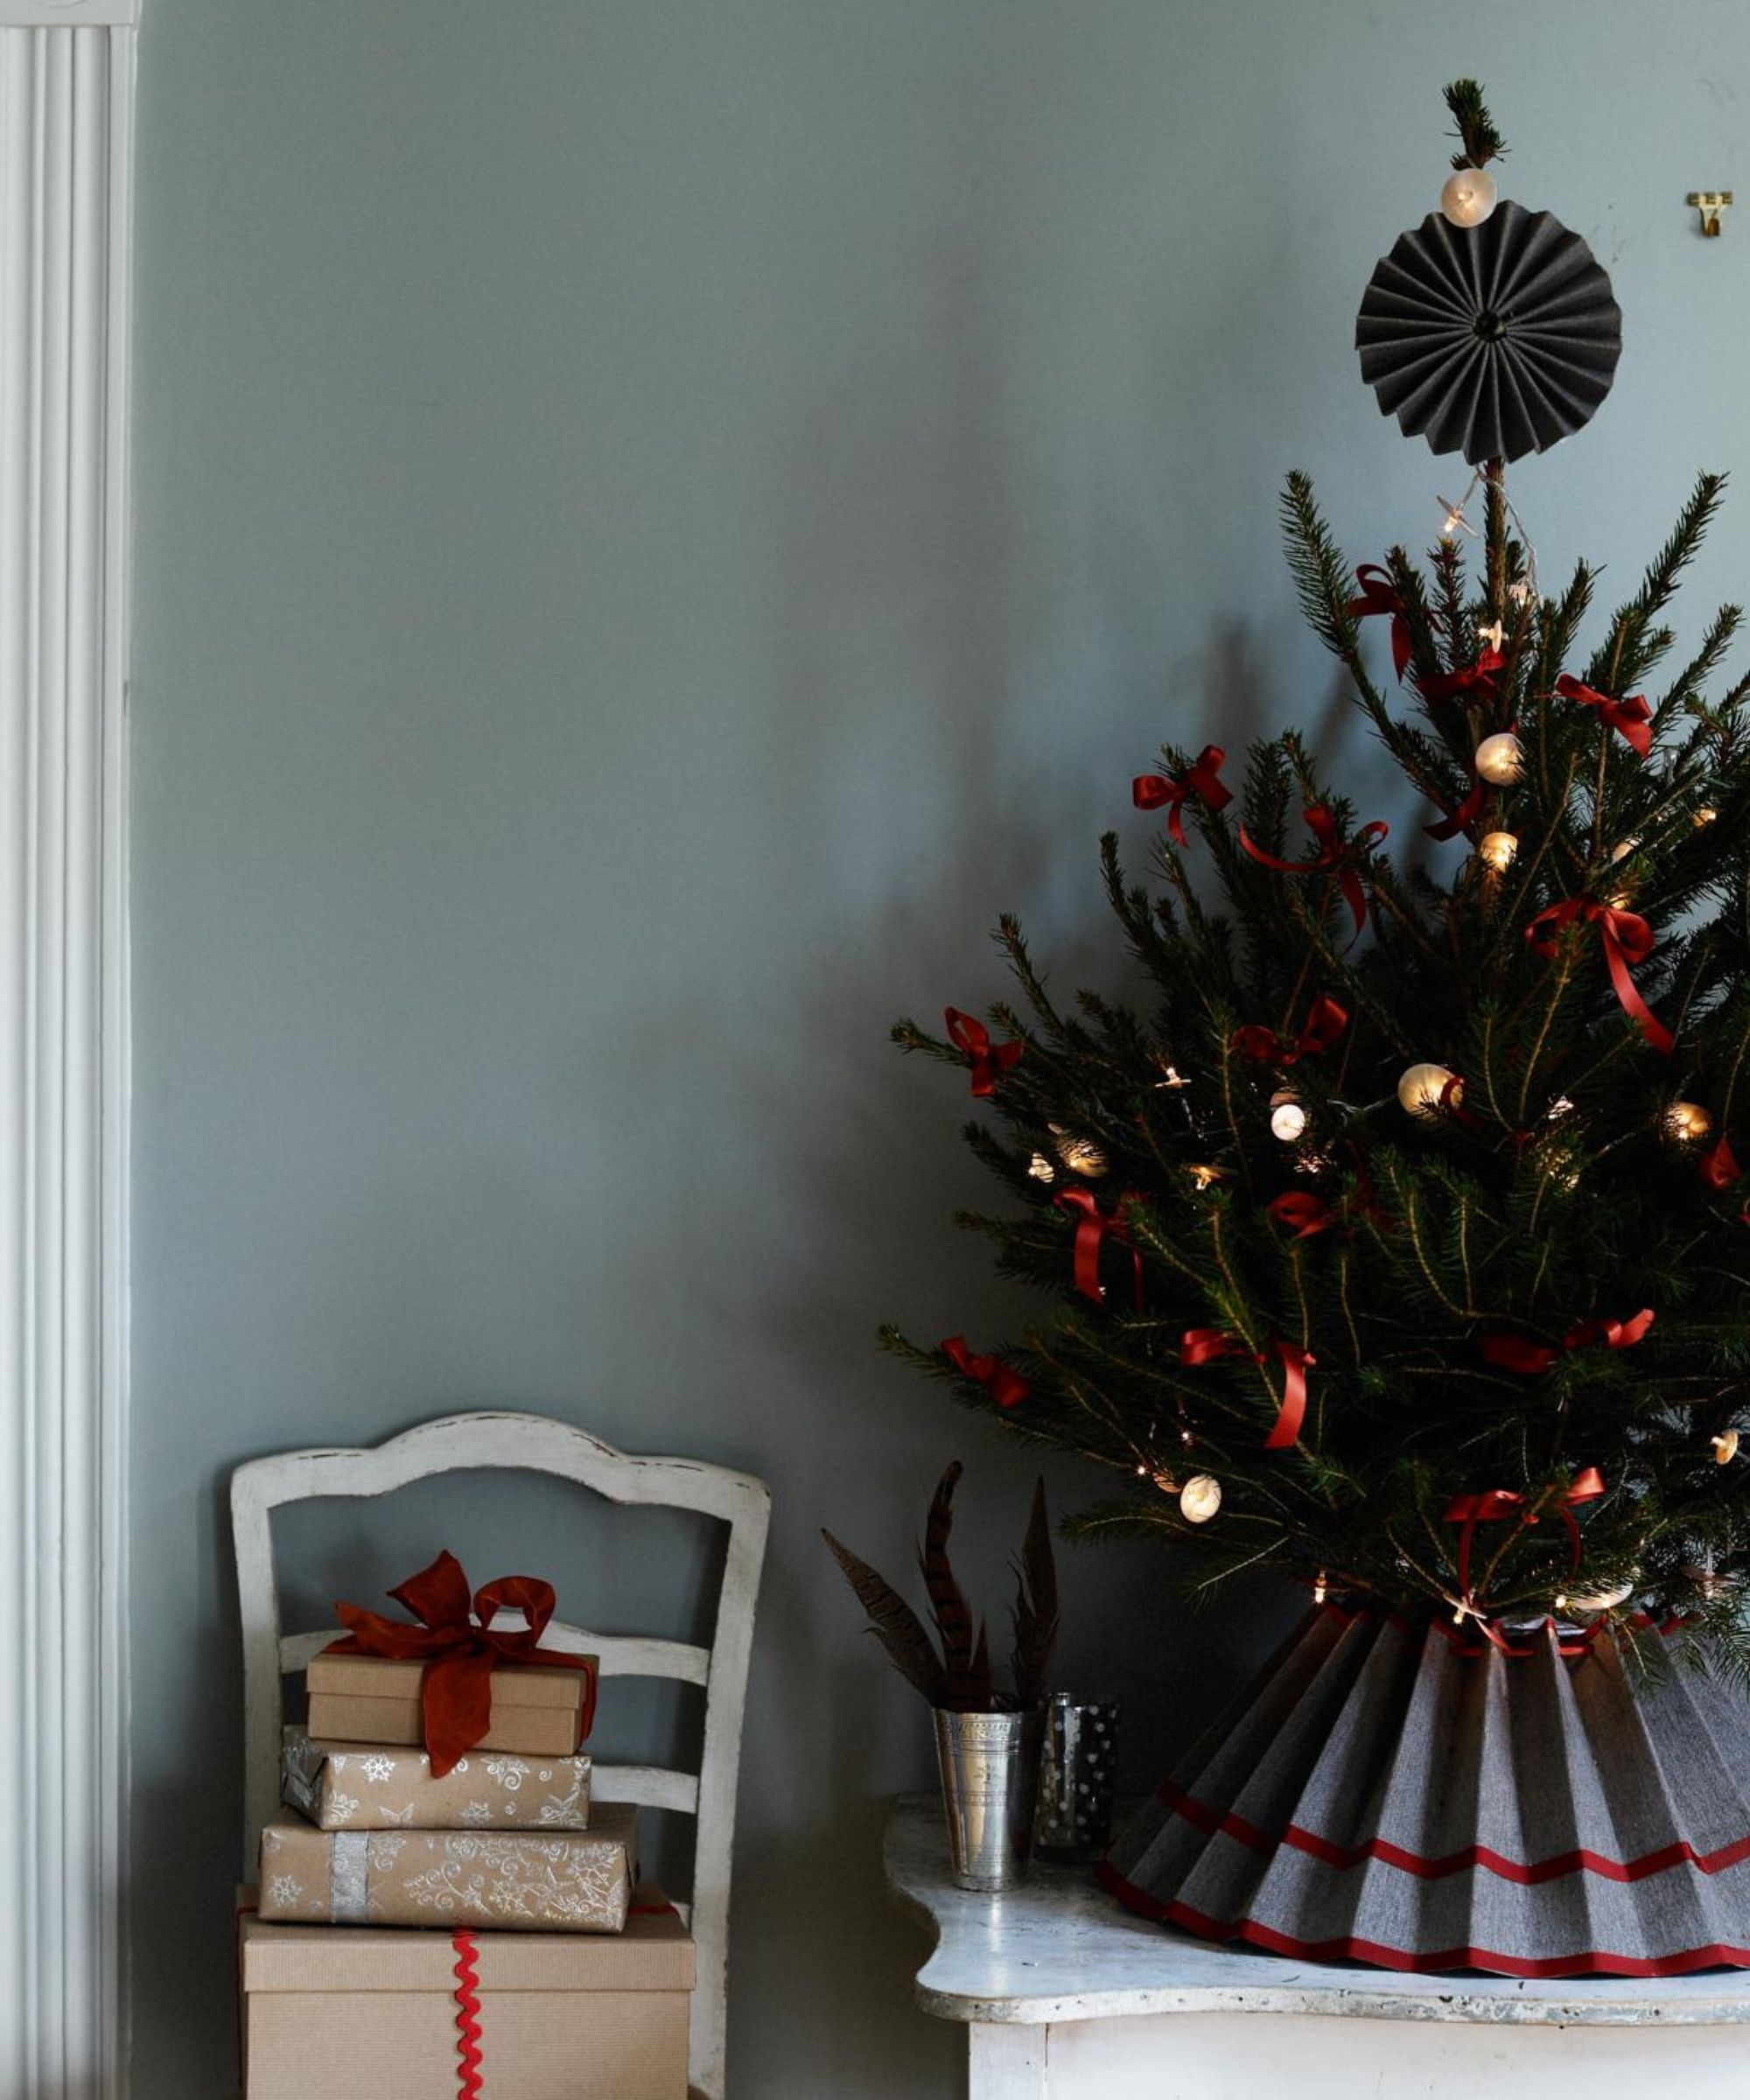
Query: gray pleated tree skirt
[{"x": 1381, "y": 1793}]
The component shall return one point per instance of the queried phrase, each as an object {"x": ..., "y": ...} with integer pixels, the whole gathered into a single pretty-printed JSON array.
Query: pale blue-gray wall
[{"x": 656, "y": 521}]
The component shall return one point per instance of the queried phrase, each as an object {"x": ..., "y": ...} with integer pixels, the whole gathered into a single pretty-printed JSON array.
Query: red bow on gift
[
  {"x": 1325, "y": 1021},
  {"x": 1335, "y": 853},
  {"x": 1627, "y": 939},
  {"x": 1514, "y": 1353},
  {"x": 456, "y": 1690},
  {"x": 1379, "y": 595},
  {"x": 1477, "y": 678},
  {"x": 1470, "y": 1510},
  {"x": 1204, "y": 1345},
  {"x": 1160, "y": 790},
  {"x": 1006, "y": 1385},
  {"x": 1632, "y": 719},
  {"x": 1092, "y": 1226},
  {"x": 986, "y": 1058}
]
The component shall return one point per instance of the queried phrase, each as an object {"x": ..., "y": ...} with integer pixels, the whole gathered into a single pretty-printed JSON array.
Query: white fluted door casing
[{"x": 65, "y": 100}]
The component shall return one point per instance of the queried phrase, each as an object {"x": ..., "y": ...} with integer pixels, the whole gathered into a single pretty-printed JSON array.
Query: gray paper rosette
[
  {"x": 1492, "y": 340},
  {"x": 1382, "y": 1795}
]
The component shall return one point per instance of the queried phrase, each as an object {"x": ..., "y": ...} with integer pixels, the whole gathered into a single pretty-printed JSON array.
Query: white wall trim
[{"x": 65, "y": 156}]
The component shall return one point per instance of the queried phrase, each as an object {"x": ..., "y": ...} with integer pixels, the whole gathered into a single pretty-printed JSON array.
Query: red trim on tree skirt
[
  {"x": 1683, "y": 1964},
  {"x": 1679, "y": 1854}
]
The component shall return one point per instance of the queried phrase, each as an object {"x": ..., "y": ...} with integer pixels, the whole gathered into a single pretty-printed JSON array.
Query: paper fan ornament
[{"x": 1493, "y": 340}]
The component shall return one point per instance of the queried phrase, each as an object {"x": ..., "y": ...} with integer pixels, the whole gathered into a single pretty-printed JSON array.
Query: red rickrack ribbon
[
  {"x": 987, "y": 1058},
  {"x": 1093, "y": 1225},
  {"x": 1627, "y": 940},
  {"x": 1205, "y": 1345},
  {"x": 469, "y": 2055},
  {"x": 1005, "y": 1384},
  {"x": 1477, "y": 678},
  {"x": 1494, "y": 1504},
  {"x": 1325, "y": 1021},
  {"x": 1335, "y": 854},
  {"x": 1515, "y": 1352},
  {"x": 1302, "y": 1212},
  {"x": 1379, "y": 594},
  {"x": 456, "y": 1690},
  {"x": 1632, "y": 720},
  {"x": 1160, "y": 790},
  {"x": 1463, "y": 817}
]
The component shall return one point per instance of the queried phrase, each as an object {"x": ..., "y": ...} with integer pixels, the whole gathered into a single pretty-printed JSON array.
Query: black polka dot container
[{"x": 1078, "y": 1768}]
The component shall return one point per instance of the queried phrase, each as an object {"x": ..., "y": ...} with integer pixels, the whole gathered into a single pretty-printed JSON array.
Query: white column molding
[{"x": 65, "y": 115}]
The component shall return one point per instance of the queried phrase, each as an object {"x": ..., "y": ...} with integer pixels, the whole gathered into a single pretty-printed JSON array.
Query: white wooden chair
[{"x": 533, "y": 1444}]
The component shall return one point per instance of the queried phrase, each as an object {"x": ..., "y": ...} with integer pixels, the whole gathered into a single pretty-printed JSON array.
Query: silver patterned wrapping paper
[{"x": 386, "y": 1787}]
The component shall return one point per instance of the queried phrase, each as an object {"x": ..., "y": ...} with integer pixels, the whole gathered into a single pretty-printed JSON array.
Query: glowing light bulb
[
  {"x": 1601, "y": 1601},
  {"x": 1287, "y": 1118},
  {"x": 1080, "y": 1155},
  {"x": 1041, "y": 1168},
  {"x": 1426, "y": 1089},
  {"x": 1165, "y": 1482},
  {"x": 1173, "y": 1079},
  {"x": 1468, "y": 196},
  {"x": 1494, "y": 634},
  {"x": 1704, "y": 816},
  {"x": 1200, "y": 1498},
  {"x": 1205, "y": 1177},
  {"x": 1687, "y": 1122},
  {"x": 1724, "y": 1447},
  {"x": 1497, "y": 850},
  {"x": 1500, "y": 758},
  {"x": 1319, "y": 1589}
]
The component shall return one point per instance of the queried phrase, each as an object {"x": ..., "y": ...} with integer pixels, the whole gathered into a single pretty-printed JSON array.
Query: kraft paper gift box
[
  {"x": 389, "y": 1786},
  {"x": 359, "y": 2013},
  {"x": 505, "y": 1881},
  {"x": 535, "y": 1711}
]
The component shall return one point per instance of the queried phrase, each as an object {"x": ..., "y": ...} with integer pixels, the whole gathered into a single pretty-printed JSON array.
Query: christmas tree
[{"x": 1395, "y": 1238}]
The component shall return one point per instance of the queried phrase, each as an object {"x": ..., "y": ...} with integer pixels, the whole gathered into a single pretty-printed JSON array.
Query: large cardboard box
[
  {"x": 360, "y": 2013},
  {"x": 489, "y": 1880},
  {"x": 389, "y": 1786},
  {"x": 537, "y": 1712}
]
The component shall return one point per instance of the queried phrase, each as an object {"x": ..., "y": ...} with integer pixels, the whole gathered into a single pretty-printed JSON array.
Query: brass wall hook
[{"x": 1709, "y": 204}]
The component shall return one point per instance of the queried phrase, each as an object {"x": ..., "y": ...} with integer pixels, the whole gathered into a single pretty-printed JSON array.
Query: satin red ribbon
[
  {"x": 1160, "y": 790},
  {"x": 1477, "y": 678},
  {"x": 1494, "y": 1504},
  {"x": 1206, "y": 1345},
  {"x": 1463, "y": 817},
  {"x": 1093, "y": 1225},
  {"x": 1627, "y": 940},
  {"x": 1336, "y": 855},
  {"x": 1302, "y": 1213},
  {"x": 1379, "y": 594},
  {"x": 1325, "y": 1021},
  {"x": 987, "y": 1058},
  {"x": 1632, "y": 720},
  {"x": 1515, "y": 1352},
  {"x": 1719, "y": 1167},
  {"x": 1005, "y": 1384},
  {"x": 456, "y": 1690}
]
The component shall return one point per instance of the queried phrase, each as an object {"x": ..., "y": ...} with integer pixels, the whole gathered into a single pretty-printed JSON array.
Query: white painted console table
[{"x": 1066, "y": 1997}]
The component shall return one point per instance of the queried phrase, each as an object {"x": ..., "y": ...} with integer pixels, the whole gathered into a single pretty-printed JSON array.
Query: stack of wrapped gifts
[{"x": 440, "y": 1782}]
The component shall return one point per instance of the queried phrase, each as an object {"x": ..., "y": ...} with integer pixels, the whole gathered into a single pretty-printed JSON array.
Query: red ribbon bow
[
  {"x": 1303, "y": 1213},
  {"x": 1159, "y": 790},
  {"x": 1325, "y": 1021},
  {"x": 1205, "y": 1345},
  {"x": 1632, "y": 719},
  {"x": 1378, "y": 594},
  {"x": 1335, "y": 853},
  {"x": 988, "y": 1059},
  {"x": 1463, "y": 817},
  {"x": 1006, "y": 1385},
  {"x": 1470, "y": 1510},
  {"x": 456, "y": 1690},
  {"x": 1514, "y": 1353},
  {"x": 1477, "y": 678},
  {"x": 1092, "y": 1226},
  {"x": 1627, "y": 939}
]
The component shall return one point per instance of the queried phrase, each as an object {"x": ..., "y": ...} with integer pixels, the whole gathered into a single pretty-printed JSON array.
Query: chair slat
[{"x": 648, "y": 1785}]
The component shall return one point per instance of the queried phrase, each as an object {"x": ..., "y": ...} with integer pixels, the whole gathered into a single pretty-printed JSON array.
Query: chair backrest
[{"x": 534, "y": 1444}]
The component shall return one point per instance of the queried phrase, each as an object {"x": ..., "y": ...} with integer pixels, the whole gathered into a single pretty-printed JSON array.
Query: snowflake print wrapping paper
[{"x": 345, "y": 1787}]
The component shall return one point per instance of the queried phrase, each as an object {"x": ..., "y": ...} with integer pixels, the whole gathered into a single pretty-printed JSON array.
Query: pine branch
[{"x": 1480, "y": 140}]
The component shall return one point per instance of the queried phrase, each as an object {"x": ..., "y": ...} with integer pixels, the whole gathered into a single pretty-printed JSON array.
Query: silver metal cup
[
  {"x": 989, "y": 1776},
  {"x": 1078, "y": 1770}
]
